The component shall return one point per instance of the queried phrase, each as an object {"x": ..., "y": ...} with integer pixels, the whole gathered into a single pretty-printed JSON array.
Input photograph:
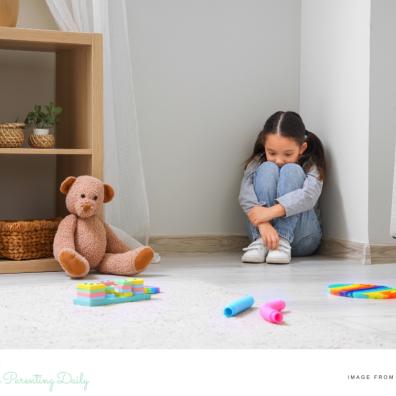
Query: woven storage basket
[
  {"x": 27, "y": 239},
  {"x": 11, "y": 134},
  {"x": 41, "y": 141}
]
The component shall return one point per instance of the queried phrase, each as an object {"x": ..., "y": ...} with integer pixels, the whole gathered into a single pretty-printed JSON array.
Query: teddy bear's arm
[
  {"x": 114, "y": 245},
  {"x": 64, "y": 237}
]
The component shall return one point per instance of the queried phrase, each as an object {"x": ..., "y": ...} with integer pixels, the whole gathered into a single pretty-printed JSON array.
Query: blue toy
[{"x": 238, "y": 306}]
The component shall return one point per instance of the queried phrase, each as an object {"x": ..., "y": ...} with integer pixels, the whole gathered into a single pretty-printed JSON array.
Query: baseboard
[
  {"x": 346, "y": 250},
  {"x": 363, "y": 252},
  {"x": 165, "y": 244},
  {"x": 383, "y": 254},
  {"x": 333, "y": 248}
]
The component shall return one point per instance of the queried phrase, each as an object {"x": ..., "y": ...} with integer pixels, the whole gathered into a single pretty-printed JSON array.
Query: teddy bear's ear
[
  {"x": 108, "y": 193},
  {"x": 66, "y": 184}
]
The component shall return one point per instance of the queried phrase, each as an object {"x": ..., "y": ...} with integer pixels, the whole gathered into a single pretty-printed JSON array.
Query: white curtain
[{"x": 123, "y": 167}]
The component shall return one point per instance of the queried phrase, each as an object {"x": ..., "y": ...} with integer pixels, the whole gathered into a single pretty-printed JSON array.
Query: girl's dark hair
[{"x": 289, "y": 124}]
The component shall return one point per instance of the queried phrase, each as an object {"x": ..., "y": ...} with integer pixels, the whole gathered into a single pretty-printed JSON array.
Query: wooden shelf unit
[
  {"x": 54, "y": 151},
  {"x": 40, "y": 265},
  {"x": 79, "y": 134}
]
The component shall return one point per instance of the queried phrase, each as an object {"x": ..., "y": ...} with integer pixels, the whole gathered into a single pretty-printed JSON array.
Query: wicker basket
[
  {"x": 41, "y": 141},
  {"x": 11, "y": 134},
  {"x": 27, "y": 239}
]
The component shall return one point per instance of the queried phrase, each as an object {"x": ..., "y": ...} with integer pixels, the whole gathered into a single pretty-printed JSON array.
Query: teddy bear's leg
[
  {"x": 75, "y": 265},
  {"x": 129, "y": 263}
]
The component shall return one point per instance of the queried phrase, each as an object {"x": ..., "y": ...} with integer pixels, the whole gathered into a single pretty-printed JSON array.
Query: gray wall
[
  {"x": 335, "y": 55},
  {"x": 207, "y": 75},
  {"x": 382, "y": 118},
  {"x": 36, "y": 15}
]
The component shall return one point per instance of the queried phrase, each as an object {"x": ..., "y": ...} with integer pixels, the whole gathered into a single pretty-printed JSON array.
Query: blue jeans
[{"x": 302, "y": 230}]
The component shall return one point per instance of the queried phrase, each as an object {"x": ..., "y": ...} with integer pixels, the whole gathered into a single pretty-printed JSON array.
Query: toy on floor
[
  {"x": 361, "y": 290},
  {"x": 151, "y": 289},
  {"x": 271, "y": 311},
  {"x": 113, "y": 292},
  {"x": 84, "y": 242},
  {"x": 238, "y": 306}
]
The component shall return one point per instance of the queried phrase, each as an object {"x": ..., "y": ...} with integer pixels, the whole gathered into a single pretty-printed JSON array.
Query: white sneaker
[
  {"x": 255, "y": 252},
  {"x": 282, "y": 255}
]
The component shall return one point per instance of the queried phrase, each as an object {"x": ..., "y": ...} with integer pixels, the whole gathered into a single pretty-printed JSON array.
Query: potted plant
[{"x": 42, "y": 118}]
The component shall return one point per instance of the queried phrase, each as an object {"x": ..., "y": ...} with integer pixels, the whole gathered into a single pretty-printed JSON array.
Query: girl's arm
[
  {"x": 247, "y": 195},
  {"x": 292, "y": 203},
  {"x": 304, "y": 198}
]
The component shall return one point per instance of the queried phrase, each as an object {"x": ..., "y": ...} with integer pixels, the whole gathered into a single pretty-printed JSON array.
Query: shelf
[
  {"x": 77, "y": 75},
  {"x": 42, "y": 40},
  {"x": 56, "y": 151},
  {"x": 39, "y": 265}
]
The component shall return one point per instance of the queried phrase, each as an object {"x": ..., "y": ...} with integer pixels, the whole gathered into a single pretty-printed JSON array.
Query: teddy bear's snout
[{"x": 86, "y": 209}]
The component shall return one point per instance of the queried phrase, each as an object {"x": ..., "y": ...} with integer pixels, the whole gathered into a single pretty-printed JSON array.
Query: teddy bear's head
[{"x": 85, "y": 195}]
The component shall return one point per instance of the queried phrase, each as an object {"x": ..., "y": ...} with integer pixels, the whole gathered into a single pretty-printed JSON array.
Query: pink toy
[
  {"x": 278, "y": 305},
  {"x": 271, "y": 311}
]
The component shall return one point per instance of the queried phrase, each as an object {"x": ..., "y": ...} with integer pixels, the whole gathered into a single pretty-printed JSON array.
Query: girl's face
[{"x": 283, "y": 150}]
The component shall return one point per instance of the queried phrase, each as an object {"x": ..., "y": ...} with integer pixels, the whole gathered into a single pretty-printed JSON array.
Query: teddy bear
[{"x": 84, "y": 242}]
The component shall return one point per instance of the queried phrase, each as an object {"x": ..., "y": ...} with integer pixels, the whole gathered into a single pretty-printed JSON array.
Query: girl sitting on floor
[{"x": 280, "y": 189}]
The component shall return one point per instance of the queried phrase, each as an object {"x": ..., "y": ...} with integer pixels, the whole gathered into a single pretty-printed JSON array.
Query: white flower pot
[{"x": 41, "y": 131}]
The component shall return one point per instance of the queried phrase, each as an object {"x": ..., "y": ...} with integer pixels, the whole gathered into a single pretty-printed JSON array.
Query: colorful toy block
[
  {"x": 91, "y": 286},
  {"x": 113, "y": 300},
  {"x": 151, "y": 290},
  {"x": 112, "y": 292},
  {"x": 359, "y": 290},
  {"x": 136, "y": 281}
]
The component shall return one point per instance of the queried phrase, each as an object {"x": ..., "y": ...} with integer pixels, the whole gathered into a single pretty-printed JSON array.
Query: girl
[{"x": 280, "y": 189}]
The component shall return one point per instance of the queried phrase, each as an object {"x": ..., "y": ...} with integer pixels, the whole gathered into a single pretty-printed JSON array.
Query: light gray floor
[{"x": 37, "y": 309}]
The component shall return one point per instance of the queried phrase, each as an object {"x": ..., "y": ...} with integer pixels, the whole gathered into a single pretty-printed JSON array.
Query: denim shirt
[{"x": 294, "y": 202}]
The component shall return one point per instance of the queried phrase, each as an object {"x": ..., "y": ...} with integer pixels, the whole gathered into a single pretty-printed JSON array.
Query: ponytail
[{"x": 314, "y": 154}]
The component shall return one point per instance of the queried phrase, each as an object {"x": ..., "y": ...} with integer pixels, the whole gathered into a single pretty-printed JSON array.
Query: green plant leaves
[{"x": 44, "y": 116}]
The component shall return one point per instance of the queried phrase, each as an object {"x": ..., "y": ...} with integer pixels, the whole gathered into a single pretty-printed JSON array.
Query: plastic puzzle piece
[
  {"x": 108, "y": 301},
  {"x": 136, "y": 281},
  {"x": 91, "y": 286},
  {"x": 151, "y": 290},
  {"x": 113, "y": 292}
]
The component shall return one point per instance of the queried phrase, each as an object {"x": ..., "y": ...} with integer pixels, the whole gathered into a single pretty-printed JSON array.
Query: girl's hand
[
  {"x": 270, "y": 235},
  {"x": 259, "y": 214}
]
